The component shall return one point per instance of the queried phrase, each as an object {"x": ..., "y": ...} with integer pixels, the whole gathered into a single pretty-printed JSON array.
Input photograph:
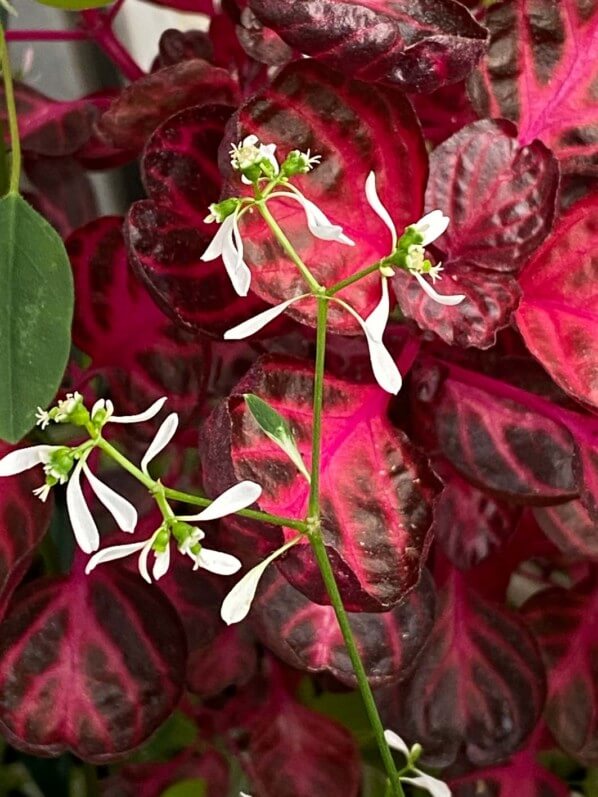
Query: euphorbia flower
[
  {"x": 254, "y": 160},
  {"x": 228, "y": 244},
  {"x": 435, "y": 787},
  {"x": 318, "y": 223}
]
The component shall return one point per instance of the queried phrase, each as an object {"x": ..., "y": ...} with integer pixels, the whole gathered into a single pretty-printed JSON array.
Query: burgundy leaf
[
  {"x": 177, "y": 45},
  {"x": 491, "y": 299},
  {"x": 499, "y": 196},
  {"x": 417, "y": 45},
  {"x": 571, "y": 528},
  {"x": 306, "y": 635},
  {"x": 355, "y": 129},
  {"x": 522, "y": 776},
  {"x": 558, "y": 315},
  {"x": 565, "y": 623},
  {"x": 24, "y": 520},
  {"x": 443, "y": 112},
  {"x": 376, "y": 488},
  {"x": 128, "y": 339},
  {"x": 324, "y": 759},
  {"x": 261, "y": 43},
  {"x": 50, "y": 127},
  {"x": 230, "y": 660},
  {"x": 92, "y": 664},
  {"x": 538, "y": 74},
  {"x": 147, "y": 102},
  {"x": 500, "y": 439},
  {"x": 470, "y": 524},
  {"x": 478, "y": 687}
]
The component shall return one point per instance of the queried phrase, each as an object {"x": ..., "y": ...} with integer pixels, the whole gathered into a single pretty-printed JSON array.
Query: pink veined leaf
[
  {"x": 306, "y": 635},
  {"x": 377, "y": 489},
  {"x": 522, "y": 776},
  {"x": 325, "y": 758},
  {"x": 479, "y": 686},
  {"x": 538, "y": 74},
  {"x": 230, "y": 660},
  {"x": 565, "y": 624},
  {"x": 97, "y": 152},
  {"x": 166, "y": 234},
  {"x": 50, "y": 127},
  {"x": 146, "y": 103},
  {"x": 443, "y": 112},
  {"x": 24, "y": 520},
  {"x": 417, "y": 46},
  {"x": 558, "y": 314},
  {"x": 355, "y": 129},
  {"x": 571, "y": 527},
  {"x": 92, "y": 664},
  {"x": 129, "y": 340},
  {"x": 262, "y": 43}
]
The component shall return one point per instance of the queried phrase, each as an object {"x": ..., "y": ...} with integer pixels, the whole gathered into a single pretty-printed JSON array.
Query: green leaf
[
  {"x": 192, "y": 787},
  {"x": 75, "y": 5},
  {"x": 277, "y": 428},
  {"x": 36, "y": 310},
  {"x": 4, "y": 164}
]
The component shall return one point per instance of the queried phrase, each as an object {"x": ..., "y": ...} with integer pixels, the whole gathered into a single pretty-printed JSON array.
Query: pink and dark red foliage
[
  {"x": 92, "y": 664},
  {"x": 415, "y": 45},
  {"x": 538, "y": 74},
  {"x": 571, "y": 528},
  {"x": 558, "y": 314},
  {"x": 306, "y": 634},
  {"x": 355, "y": 129},
  {"x": 377, "y": 489}
]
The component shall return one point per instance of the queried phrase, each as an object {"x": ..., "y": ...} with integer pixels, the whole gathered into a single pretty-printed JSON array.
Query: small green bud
[
  {"x": 415, "y": 753},
  {"x": 222, "y": 210},
  {"x": 181, "y": 531},
  {"x": 299, "y": 163},
  {"x": 161, "y": 541}
]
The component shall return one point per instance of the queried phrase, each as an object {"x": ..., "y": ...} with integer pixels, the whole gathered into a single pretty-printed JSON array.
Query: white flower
[
  {"x": 228, "y": 244},
  {"x": 162, "y": 438},
  {"x": 42, "y": 418},
  {"x": 253, "y": 325},
  {"x": 140, "y": 417},
  {"x": 420, "y": 779},
  {"x": 429, "y": 228},
  {"x": 318, "y": 223},
  {"x": 22, "y": 459},
  {"x": 110, "y": 554},
  {"x": 237, "y": 603},
  {"x": 249, "y": 153}
]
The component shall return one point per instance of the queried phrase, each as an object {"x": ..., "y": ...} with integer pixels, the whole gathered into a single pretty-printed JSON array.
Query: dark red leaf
[
  {"x": 571, "y": 528},
  {"x": 24, "y": 520},
  {"x": 355, "y": 128},
  {"x": 558, "y": 315},
  {"x": 92, "y": 664},
  {"x": 306, "y": 635},
  {"x": 565, "y": 623},
  {"x": 478, "y": 687},
  {"x": 522, "y": 776},
  {"x": 177, "y": 45},
  {"x": 417, "y": 45},
  {"x": 261, "y": 43},
  {"x": 443, "y": 112},
  {"x": 229, "y": 660},
  {"x": 469, "y": 524},
  {"x": 140, "y": 352},
  {"x": 50, "y": 127},
  {"x": 376, "y": 488},
  {"x": 147, "y": 102},
  {"x": 324, "y": 759},
  {"x": 538, "y": 74}
]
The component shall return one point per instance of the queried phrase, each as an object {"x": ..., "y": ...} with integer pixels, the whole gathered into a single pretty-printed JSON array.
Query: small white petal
[
  {"x": 259, "y": 321},
  {"x": 378, "y": 319},
  {"x": 223, "y": 564},
  {"x": 121, "y": 510},
  {"x": 143, "y": 556},
  {"x": 216, "y": 245},
  {"x": 375, "y": 203},
  {"x": 267, "y": 151},
  {"x": 432, "y": 785},
  {"x": 240, "y": 496},
  {"x": 161, "y": 563},
  {"x": 242, "y": 275},
  {"x": 448, "y": 301},
  {"x": 162, "y": 438},
  {"x": 84, "y": 527},
  {"x": 317, "y": 222},
  {"x": 394, "y": 741},
  {"x": 141, "y": 417},
  {"x": 112, "y": 553},
  {"x": 23, "y": 459},
  {"x": 432, "y": 226}
]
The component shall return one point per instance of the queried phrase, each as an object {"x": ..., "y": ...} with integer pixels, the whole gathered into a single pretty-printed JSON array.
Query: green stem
[
  {"x": 365, "y": 272},
  {"x": 189, "y": 498},
  {"x": 288, "y": 247},
  {"x": 11, "y": 110},
  {"x": 319, "y": 549}
]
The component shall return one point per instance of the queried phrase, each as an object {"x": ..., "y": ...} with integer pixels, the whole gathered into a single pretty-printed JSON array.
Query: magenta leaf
[
  {"x": 325, "y": 758},
  {"x": 478, "y": 688},
  {"x": 92, "y": 664},
  {"x": 571, "y": 528},
  {"x": 130, "y": 342},
  {"x": 230, "y": 660},
  {"x": 355, "y": 129},
  {"x": 147, "y": 102},
  {"x": 261, "y": 43},
  {"x": 418, "y": 45},
  {"x": 565, "y": 624},
  {"x": 443, "y": 112},
  {"x": 306, "y": 635},
  {"x": 558, "y": 315},
  {"x": 376, "y": 488},
  {"x": 522, "y": 776},
  {"x": 24, "y": 520},
  {"x": 537, "y": 73}
]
